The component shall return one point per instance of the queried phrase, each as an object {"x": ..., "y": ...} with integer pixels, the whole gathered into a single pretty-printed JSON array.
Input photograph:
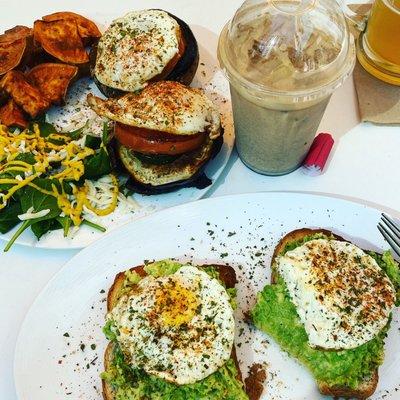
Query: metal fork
[{"x": 391, "y": 232}]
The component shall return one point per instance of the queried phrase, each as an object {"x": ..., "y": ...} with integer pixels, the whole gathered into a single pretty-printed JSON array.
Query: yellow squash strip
[
  {"x": 56, "y": 136},
  {"x": 16, "y": 168},
  {"x": 21, "y": 163},
  {"x": 72, "y": 208}
]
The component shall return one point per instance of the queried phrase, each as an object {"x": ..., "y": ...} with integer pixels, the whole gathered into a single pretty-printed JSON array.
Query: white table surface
[{"x": 364, "y": 165}]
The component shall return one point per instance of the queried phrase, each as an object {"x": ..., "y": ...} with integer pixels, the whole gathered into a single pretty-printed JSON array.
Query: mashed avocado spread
[
  {"x": 130, "y": 383},
  {"x": 276, "y": 315}
]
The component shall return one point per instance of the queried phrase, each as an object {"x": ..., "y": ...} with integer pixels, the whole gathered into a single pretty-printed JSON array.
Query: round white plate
[
  {"x": 211, "y": 79},
  {"x": 240, "y": 230}
]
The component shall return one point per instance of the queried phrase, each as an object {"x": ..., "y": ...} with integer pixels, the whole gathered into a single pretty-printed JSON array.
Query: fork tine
[
  {"x": 389, "y": 221},
  {"x": 394, "y": 244}
]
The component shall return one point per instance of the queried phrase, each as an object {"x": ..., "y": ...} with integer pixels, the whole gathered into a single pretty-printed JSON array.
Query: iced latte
[{"x": 283, "y": 60}]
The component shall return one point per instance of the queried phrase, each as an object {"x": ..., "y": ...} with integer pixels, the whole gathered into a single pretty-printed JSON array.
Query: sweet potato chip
[
  {"x": 53, "y": 80},
  {"x": 87, "y": 29},
  {"x": 61, "y": 40},
  {"x": 15, "y": 48},
  {"x": 12, "y": 115},
  {"x": 28, "y": 97},
  {"x": 11, "y": 54},
  {"x": 18, "y": 32}
]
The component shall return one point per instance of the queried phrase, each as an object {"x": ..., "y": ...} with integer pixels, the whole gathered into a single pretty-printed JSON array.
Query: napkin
[{"x": 378, "y": 101}]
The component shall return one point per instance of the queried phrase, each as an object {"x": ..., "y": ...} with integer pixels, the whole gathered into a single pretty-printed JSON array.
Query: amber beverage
[{"x": 379, "y": 46}]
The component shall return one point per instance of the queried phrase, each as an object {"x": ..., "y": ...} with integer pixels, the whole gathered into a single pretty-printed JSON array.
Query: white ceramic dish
[
  {"x": 240, "y": 230},
  {"x": 208, "y": 77}
]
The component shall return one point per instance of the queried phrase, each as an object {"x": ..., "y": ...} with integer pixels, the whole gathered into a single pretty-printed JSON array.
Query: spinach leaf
[
  {"x": 32, "y": 197},
  {"x": 13, "y": 129},
  {"x": 40, "y": 118},
  {"x": 97, "y": 164},
  {"x": 105, "y": 136},
  {"x": 29, "y": 158},
  {"x": 76, "y": 134},
  {"x": 67, "y": 187},
  {"x": 8, "y": 175},
  {"x": 40, "y": 201},
  {"x": 11, "y": 174},
  {"x": 39, "y": 228},
  {"x": 93, "y": 142},
  {"x": 9, "y": 216},
  {"x": 58, "y": 142},
  {"x": 45, "y": 128},
  {"x": 123, "y": 188}
]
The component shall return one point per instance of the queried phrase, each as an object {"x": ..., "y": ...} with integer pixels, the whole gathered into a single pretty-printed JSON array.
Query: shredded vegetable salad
[{"x": 51, "y": 180}]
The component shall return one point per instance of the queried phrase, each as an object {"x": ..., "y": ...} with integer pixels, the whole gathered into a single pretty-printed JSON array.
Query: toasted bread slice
[
  {"x": 368, "y": 386},
  {"x": 226, "y": 274},
  {"x": 108, "y": 392}
]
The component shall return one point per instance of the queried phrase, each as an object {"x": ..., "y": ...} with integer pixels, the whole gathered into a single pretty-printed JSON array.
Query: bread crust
[
  {"x": 107, "y": 388},
  {"x": 226, "y": 274},
  {"x": 255, "y": 381},
  {"x": 366, "y": 388}
]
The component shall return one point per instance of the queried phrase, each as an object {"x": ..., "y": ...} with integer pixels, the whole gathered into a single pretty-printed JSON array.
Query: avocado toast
[
  {"x": 350, "y": 372},
  {"x": 123, "y": 380}
]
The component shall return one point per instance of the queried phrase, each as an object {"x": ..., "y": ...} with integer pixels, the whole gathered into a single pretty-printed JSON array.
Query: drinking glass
[{"x": 378, "y": 46}]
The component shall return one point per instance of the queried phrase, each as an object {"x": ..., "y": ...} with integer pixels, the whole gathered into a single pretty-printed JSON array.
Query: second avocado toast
[{"x": 345, "y": 372}]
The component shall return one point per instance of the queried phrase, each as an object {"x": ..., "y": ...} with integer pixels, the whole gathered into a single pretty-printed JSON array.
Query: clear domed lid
[{"x": 288, "y": 46}]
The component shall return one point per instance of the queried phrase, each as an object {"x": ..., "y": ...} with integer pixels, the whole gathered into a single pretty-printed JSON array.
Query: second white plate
[
  {"x": 60, "y": 347},
  {"x": 211, "y": 79}
]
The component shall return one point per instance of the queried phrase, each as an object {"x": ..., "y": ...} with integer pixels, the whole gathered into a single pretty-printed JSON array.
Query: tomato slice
[{"x": 149, "y": 141}]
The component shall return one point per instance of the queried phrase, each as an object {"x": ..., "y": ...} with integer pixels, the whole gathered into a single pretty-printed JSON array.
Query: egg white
[
  {"x": 136, "y": 48},
  {"x": 164, "y": 106},
  {"x": 342, "y": 296},
  {"x": 178, "y": 327}
]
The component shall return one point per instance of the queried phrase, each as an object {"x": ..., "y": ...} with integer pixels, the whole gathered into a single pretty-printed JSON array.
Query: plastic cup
[{"x": 283, "y": 60}]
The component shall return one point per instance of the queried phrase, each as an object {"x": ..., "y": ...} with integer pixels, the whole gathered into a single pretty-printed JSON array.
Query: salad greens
[{"x": 43, "y": 174}]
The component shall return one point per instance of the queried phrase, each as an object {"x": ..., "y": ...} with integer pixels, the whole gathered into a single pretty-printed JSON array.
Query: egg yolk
[{"x": 175, "y": 305}]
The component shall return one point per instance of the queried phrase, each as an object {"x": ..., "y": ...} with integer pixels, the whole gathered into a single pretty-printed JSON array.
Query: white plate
[
  {"x": 211, "y": 79},
  {"x": 240, "y": 230}
]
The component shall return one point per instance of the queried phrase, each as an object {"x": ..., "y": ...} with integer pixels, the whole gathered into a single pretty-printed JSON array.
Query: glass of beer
[{"x": 378, "y": 47}]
